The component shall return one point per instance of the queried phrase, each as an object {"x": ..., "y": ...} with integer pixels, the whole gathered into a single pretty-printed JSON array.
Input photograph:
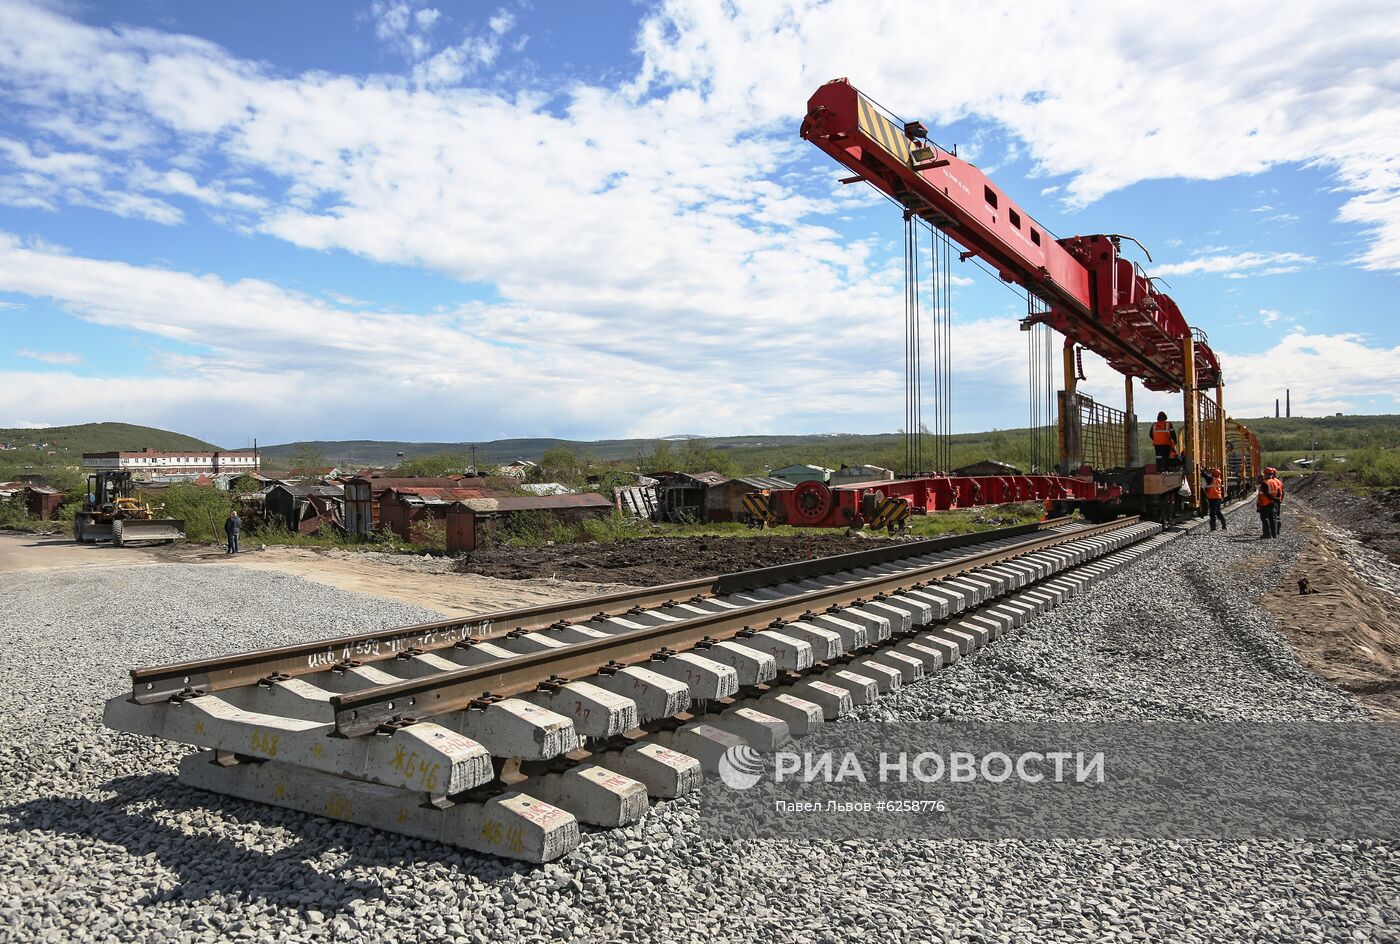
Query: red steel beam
[
  {"x": 814, "y": 505},
  {"x": 1097, "y": 298}
]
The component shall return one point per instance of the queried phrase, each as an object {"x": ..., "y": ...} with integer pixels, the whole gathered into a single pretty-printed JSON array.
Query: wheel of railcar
[{"x": 810, "y": 502}]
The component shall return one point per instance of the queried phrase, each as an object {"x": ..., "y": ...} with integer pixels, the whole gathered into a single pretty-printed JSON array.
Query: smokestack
[
  {"x": 1287, "y": 402},
  {"x": 1275, "y": 407}
]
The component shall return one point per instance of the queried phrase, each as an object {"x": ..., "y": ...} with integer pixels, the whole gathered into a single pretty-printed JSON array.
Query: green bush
[
  {"x": 434, "y": 465},
  {"x": 203, "y": 509},
  {"x": 534, "y": 527},
  {"x": 13, "y": 514},
  {"x": 616, "y": 527},
  {"x": 1379, "y": 467}
]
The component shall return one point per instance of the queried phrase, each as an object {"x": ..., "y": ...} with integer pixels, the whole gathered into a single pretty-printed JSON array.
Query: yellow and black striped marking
[
  {"x": 874, "y": 125},
  {"x": 757, "y": 511},
  {"x": 892, "y": 513}
]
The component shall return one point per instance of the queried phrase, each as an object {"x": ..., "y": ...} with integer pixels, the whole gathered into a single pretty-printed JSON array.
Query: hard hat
[
  {"x": 1270, "y": 470},
  {"x": 1162, "y": 415}
]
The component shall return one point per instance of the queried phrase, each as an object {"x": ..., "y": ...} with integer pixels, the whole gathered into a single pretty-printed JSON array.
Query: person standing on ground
[
  {"x": 1268, "y": 501},
  {"x": 1215, "y": 495},
  {"x": 1163, "y": 440},
  {"x": 1276, "y": 493},
  {"x": 232, "y": 526}
]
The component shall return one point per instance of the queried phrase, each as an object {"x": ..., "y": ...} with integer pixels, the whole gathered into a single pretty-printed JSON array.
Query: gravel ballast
[{"x": 99, "y": 842}]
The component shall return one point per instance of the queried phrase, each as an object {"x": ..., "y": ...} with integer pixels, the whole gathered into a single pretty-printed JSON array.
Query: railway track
[{"x": 501, "y": 733}]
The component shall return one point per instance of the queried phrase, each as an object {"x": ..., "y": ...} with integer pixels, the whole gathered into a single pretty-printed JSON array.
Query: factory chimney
[
  {"x": 1275, "y": 407},
  {"x": 1287, "y": 402}
]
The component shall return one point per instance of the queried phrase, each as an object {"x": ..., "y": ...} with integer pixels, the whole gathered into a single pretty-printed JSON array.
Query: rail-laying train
[{"x": 1081, "y": 287}]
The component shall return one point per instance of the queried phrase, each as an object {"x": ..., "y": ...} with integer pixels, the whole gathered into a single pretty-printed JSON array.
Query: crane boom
[{"x": 1095, "y": 297}]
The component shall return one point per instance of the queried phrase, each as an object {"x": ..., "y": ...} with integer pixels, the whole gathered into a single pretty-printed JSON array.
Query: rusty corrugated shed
[
  {"x": 537, "y": 502},
  {"x": 362, "y": 493},
  {"x": 443, "y": 496}
]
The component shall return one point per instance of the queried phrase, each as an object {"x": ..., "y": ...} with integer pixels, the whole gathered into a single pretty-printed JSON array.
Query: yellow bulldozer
[{"x": 112, "y": 512}]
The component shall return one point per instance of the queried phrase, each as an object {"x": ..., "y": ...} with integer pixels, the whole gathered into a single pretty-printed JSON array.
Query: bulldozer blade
[
  {"x": 131, "y": 530},
  {"x": 92, "y": 532}
]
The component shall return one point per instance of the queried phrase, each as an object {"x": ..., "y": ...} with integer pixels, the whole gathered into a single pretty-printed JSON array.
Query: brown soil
[
  {"x": 1348, "y": 632},
  {"x": 654, "y": 561}
]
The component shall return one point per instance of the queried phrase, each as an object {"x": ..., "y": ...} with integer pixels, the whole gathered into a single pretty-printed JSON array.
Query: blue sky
[{"x": 407, "y": 220}]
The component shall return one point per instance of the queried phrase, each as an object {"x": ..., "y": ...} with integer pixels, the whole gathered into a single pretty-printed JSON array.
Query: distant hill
[
  {"x": 757, "y": 453},
  {"x": 1281, "y": 437},
  {"x": 385, "y": 452},
  {"x": 70, "y": 442}
]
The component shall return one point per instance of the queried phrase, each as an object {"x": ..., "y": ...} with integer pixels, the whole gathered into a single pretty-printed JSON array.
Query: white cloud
[
  {"x": 404, "y": 27},
  {"x": 502, "y": 22},
  {"x": 487, "y": 370},
  {"x": 426, "y": 18},
  {"x": 1237, "y": 265},
  {"x": 455, "y": 63},
  {"x": 1270, "y": 315},
  {"x": 182, "y": 183},
  {"x": 50, "y": 357},
  {"x": 408, "y": 29},
  {"x": 45, "y": 178},
  {"x": 1326, "y": 373},
  {"x": 639, "y": 231},
  {"x": 1189, "y": 91}
]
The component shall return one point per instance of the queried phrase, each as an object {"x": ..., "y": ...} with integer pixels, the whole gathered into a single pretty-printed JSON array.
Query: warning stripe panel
[
  {"x": 891, "y": 511},
  {"x": 756, "y": 504},
  {"x": 884, "y": 132}
]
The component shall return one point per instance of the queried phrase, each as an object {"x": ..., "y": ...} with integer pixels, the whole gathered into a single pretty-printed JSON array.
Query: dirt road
[
  {"x": 427, "y": 582},
  {"x": 35, "y": 552}
]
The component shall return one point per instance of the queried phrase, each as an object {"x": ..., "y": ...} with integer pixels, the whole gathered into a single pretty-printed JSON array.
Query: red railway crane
[{"x": 1090, "y": 293}]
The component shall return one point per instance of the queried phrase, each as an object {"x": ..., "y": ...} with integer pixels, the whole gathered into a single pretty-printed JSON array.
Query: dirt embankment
[
  {"x": 655, "y": 560},
  {"x": 1372, "y": 515},
  {"x": 1348, "y": 629}
]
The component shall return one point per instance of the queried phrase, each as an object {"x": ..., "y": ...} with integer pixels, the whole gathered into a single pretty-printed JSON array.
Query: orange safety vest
[
  {"x": 1213, "y": 490},
  {"x": 1161, "y": 433},
  {"x": 1272, "y": 491}
]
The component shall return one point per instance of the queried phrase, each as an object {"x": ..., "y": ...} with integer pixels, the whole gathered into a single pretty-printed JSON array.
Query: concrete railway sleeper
[{"x": 514, "y": 769}]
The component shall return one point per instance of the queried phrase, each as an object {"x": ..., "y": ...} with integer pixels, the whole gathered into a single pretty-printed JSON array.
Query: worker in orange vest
[
  {"x": 1276, "y": 490},
  {"x": 1215, "y": 495},
  {"x": 1164, "y": 441},
  {"x": 1270, "y": 502}
]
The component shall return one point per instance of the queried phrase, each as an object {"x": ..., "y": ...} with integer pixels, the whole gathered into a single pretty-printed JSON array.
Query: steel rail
[
  {"x": 158, "y": 683},
  {"x": 364, "y": 711}
]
